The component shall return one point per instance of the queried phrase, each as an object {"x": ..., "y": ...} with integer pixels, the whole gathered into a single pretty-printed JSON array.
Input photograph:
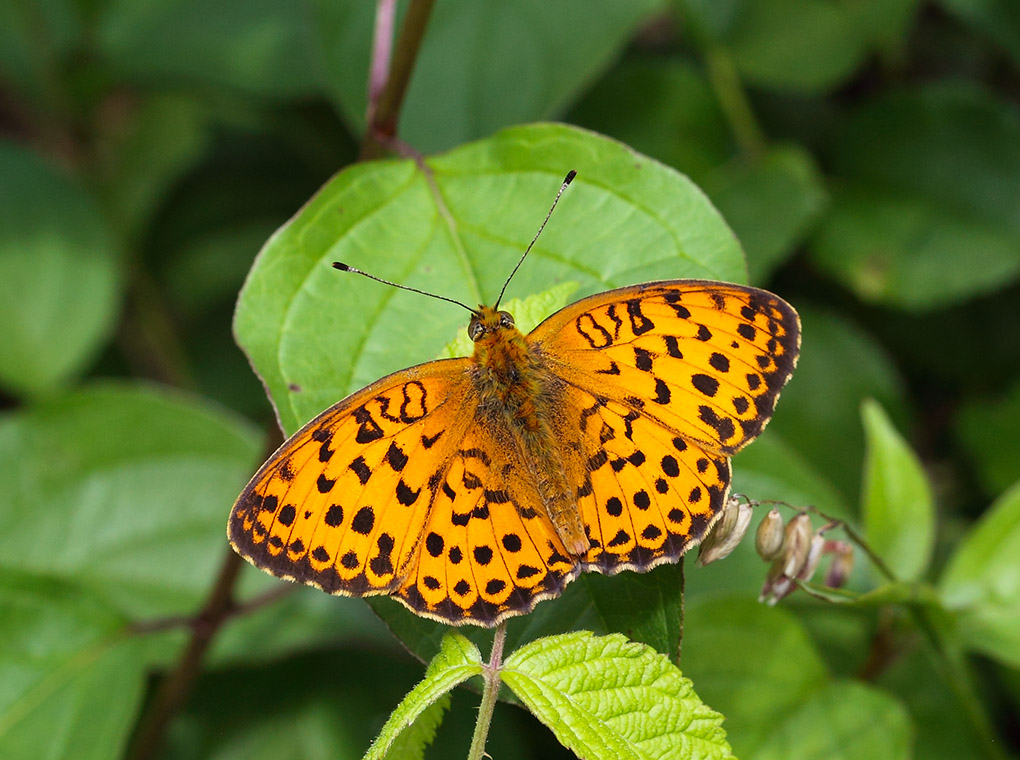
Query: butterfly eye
[
  {"x": 475, "y": 330},
  {"x": 506, "y": 319}
]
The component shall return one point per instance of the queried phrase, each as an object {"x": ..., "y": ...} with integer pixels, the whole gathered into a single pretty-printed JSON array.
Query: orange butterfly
[{"x": 472, "y": 488}]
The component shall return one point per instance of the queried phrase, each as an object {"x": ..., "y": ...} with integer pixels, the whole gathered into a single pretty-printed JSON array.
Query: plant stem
[
  {"x": 490, "y": 691},
  {"x": 722, "y": 73},
  {"x": 382, "y": 115}
]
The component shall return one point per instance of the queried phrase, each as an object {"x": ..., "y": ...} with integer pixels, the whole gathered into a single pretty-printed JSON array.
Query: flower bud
[
  {"x": 727, "y": 532},
  {"x": 841, "y": 565},
  {"x": 768, "y": 540},
  {"x": 814, "y": 556},
  {"x": 797, "y": 545}
]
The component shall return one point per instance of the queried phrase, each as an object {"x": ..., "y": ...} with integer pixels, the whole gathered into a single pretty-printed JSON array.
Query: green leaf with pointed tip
[
  {"x": 124, "y": 490},
  {"x": 897, "y": 506},
  {"x": 73, "y": 679},
  {"x": 59, "y": 282},
  {"x": 982, "y": 581},
  {"x": 456, "y": 225},
  {"x": 413, "y": 724},
  {"x": 607, "y": 697}
]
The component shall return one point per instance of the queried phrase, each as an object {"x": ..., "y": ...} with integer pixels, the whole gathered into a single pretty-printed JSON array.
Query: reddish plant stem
[{"x": 383, "y": 113}]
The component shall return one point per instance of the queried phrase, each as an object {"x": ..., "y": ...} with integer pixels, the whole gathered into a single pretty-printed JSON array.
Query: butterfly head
[{"x": 487, "y": 325}]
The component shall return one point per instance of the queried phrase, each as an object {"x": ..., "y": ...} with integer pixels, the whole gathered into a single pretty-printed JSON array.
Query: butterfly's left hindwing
[{"x": 342, "y": 504}]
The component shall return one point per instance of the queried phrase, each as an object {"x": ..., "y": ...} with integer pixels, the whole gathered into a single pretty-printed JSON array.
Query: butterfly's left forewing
[
  {"x": 706, "y": 360},
  {"x": 342, "y": 504},
  {"x": 663, "y": 383}
]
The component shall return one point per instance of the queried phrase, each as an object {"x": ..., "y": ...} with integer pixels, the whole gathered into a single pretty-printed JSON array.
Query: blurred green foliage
[{"x": 866, "y": 154}]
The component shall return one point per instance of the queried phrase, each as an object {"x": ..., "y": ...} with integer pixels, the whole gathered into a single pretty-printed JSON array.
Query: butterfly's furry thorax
[{"x": 515, "y": 386}]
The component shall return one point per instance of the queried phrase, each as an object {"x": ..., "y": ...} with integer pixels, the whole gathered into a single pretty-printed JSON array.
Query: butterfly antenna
[
  {"x": 345, "y": 268},
  {"x": 569, "y": 178}
]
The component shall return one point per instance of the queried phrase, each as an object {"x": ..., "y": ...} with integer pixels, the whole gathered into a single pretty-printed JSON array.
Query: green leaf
[
  {"x": 819, "y": 412},
  {"x": 998, "y": 20},
  {"x": 259, "y": 47},
  {"x": 771, "y": 204},
  {"x": 897, "y": 506},
  {"x": 990, "y": 430},
  {"x": 925, "y": 214},
  {"x": 314, "y": 334},
  {"x": 413, "y": 724},
  {"x": 607, "y": 697},
  {"x": 124, "y": 490},
  {"x": 59, "y": 282},
  {"x": 800, "y": 45},
  {"x": 72, "y": 679},
  {"x": 483, "y": 64},
  {"x": 756, "y": 664},
  {"x": 982, "y": 581},
  {"x": 845, "y": 720}
]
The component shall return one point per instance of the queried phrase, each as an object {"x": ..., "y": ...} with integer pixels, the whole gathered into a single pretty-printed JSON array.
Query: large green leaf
[
  {"x": 982, "y": 581},
  {"x": 456, "y": 226},
  {"x": 925, "y": 214},
  {"x": 72, "y": 679},
  {"x": 59, "y": 281},
  {"x": 124, "y": 490},
  {"x": 483, "y": 64}
]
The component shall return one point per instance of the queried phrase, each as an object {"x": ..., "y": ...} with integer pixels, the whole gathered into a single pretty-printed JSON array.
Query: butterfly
[{"x": 472, "y": 488}]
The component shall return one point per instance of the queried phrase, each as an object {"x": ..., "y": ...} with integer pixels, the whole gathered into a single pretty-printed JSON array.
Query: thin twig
[{"x": 174, "y": 689}]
